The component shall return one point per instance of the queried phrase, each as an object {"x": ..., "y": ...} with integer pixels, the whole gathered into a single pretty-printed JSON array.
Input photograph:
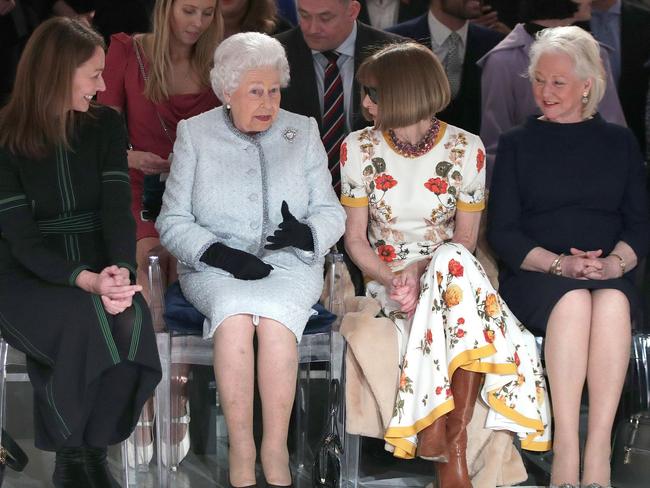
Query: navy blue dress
[{"x": 559, "y": 186}]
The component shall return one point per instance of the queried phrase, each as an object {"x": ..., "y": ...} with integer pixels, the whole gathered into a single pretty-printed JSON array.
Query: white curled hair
[
  {"x": 242, "y": 52},
  {"x": 583, "y": 50}
]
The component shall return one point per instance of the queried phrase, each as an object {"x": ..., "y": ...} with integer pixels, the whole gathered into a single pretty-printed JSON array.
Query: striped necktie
[{"x": 333, "y": 131}]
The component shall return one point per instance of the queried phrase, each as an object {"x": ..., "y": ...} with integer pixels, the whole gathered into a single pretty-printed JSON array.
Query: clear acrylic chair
[
  {"x": 328, "y": 347},
  {"x": 10, "y": 357}
]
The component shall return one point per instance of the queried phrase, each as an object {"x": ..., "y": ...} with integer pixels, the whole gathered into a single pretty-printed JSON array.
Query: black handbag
[
  {"x": 631, "y": 453},
  {"x": 11, "y": 455},
  {"x": 326, "y": 471}
]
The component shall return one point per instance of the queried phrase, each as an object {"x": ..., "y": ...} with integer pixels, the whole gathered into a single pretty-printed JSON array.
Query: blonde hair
[
  {"x": 157, "y": 85},
  {"x": 38, "y": 116},
  {"x": 584, "y": 52},
  {"x": 410, "y": 81}
]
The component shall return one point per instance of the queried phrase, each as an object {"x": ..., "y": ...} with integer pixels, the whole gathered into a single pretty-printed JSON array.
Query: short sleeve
[
  {"x": 471, "y": 197},
  {"x": 353, "y": 191},
  {"x": 114, "y": 70}
]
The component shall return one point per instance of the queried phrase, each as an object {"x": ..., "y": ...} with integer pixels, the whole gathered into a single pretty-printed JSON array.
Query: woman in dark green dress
[{"x": 67, "y": 255}]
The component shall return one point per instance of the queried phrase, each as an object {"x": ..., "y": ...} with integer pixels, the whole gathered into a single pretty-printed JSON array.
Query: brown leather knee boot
[
  {"x": 464, "y": 386},
  {"x": 432, "y": 441}
]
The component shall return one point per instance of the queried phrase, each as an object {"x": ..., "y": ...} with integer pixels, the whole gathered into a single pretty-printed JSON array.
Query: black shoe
[
  {"x": 97, "y": 468},
  {"x": 70, "y": 469}
]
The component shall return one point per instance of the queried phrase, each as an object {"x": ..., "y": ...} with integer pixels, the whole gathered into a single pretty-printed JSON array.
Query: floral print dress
[{"x": 460, "y": 320}]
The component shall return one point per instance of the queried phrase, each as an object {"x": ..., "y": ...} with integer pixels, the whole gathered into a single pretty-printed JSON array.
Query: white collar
[
  {"x": 347, "y": 46},
  {"x": 439, "y": 31}
]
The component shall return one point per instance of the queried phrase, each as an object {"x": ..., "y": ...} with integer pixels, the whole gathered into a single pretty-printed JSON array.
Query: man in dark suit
[
  {"x": 377, "y": 12},
  {"x": 327, "y": 25},
  {"x": 625, "y": 27},
  {"x": 446, "y": 20}
]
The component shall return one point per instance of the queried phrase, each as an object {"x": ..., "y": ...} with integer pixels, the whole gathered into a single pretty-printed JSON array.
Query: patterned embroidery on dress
[
  {"x": 377, "y": 183},
  {"x": 445, "y": 185}
]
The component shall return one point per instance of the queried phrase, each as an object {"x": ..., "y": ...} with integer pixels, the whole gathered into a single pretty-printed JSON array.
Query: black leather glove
[
  {"x": 242, "y": 265},
  {"x": 290, "y": 233}
]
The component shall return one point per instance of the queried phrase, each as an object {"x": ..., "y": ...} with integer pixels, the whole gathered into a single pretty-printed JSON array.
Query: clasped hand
[
  {"x": 113, "y": 285},
  {"x": 404, "y": 288},
  {"x": 589, "y": 265},
  {"x": 290, "y": 232}
]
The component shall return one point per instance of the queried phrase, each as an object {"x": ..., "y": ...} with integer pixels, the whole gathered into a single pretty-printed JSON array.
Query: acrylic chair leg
[
  {"x": 163, "y": 410},
  {"x": 352, "y": 451},
  {"x": 125, "y": 464},
  {"x": 302, "y": 416},
  {"x": 3, "y": 383}
]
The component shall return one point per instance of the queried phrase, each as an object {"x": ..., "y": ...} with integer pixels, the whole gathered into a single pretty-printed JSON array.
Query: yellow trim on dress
[
  {"x": 528, "y": 443},
  {"x": 354, "y": 202},
  {"x": 441, "y": 132},
  {"x": 470, "y": 207},
  {"x": 394, "y": 433},
  {"x": 395, "y": 436}
]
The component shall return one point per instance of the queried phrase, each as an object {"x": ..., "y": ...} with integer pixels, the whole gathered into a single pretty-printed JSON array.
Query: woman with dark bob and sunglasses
[
  {"x": 413, "y": 190},
  {"x": 68, "y": 297}
]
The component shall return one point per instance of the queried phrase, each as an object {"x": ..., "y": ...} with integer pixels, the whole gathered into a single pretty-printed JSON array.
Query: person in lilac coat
[{"x": 506, "y": 94}]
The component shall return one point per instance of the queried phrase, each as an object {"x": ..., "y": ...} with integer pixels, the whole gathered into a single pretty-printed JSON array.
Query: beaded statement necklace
[{"x": 416, "y": 150}]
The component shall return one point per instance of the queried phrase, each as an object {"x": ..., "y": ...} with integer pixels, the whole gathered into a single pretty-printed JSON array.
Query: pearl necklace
[{"x": 416, "y": 150}]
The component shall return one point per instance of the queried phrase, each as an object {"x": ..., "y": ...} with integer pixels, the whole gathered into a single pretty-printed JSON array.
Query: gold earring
[{"x": 585, "y": 98}]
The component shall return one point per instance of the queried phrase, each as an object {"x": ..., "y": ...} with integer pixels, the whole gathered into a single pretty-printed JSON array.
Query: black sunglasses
[{"x": 372, "y": 94}]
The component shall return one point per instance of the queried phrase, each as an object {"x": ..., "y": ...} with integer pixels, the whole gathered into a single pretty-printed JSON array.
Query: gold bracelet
[
  {"x": 556, "y": 265},
  {"x": 621, "y": 262}
]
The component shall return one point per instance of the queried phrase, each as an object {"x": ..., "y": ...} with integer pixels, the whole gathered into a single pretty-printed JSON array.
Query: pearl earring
[
  {"x": 585, "y": 98},
  {"x": 227, "y": 106}
]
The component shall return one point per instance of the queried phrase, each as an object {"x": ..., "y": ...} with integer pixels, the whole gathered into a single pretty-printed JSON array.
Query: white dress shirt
[
  {"x": 383, "y": 13},
  {"x": 439, "y": 33}
]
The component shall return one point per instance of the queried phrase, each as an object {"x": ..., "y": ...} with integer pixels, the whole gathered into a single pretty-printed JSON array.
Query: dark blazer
[
  {"x": 464, "y": 111},
  {"x": 408, "y": 9},
  {"x": 301, "y": 96},
  {"x": 635, "y": 51}
]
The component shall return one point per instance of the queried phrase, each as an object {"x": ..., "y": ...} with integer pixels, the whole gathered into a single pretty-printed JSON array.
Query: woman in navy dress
[{"x": 568, "y": 220}]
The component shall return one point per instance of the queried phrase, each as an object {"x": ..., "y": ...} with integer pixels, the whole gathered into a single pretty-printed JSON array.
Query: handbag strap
[
  {"x": 138, "y": 56},
  {"x": 11, "y": 454}
]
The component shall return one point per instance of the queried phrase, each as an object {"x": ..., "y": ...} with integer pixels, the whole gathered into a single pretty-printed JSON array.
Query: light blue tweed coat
[{"x": 226, "y": 186}]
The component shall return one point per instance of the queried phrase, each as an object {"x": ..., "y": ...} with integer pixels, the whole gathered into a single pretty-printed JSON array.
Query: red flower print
[
  {"x": 344, "y": 154},
  {"x": 517, "y": 361},
  {"x": 386, "y": 253},
  {"x": 455, "y": 268},
  {"x": 448, "y": 392},
  {"x": 436, "y": 185},
  {"x": 460, "y": 333},
  {"x": 480, "y": 160},
  {"x": 438, "y": 390},
  {"x": 429, "y": 336},
  {"x": 385, "y": 182},
  {"x": 460, "y": 321},
  {"x": 489, "y": 335}
]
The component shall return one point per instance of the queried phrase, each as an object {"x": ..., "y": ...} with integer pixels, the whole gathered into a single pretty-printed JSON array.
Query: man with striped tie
[{"x": 324, "y": 53}]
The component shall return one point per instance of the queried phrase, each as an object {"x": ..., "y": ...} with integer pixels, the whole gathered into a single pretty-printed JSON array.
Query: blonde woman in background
[{"x": 156, "y": 80}]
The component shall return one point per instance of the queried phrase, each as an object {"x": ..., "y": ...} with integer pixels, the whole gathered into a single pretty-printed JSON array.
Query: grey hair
[
  {"x": 583, "y": 50},
  {"x": 242, "y": 52}
]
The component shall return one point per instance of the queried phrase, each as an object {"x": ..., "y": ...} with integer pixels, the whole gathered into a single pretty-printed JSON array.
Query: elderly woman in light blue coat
[{"x": 250, "y": 213}]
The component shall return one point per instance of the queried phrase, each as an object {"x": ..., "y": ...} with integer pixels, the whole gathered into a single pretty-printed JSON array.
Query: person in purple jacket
[{"x": 506, "y": 95}]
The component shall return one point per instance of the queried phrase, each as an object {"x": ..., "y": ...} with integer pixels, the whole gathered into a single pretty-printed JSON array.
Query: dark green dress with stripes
[{"x": 70, "y": 211}]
